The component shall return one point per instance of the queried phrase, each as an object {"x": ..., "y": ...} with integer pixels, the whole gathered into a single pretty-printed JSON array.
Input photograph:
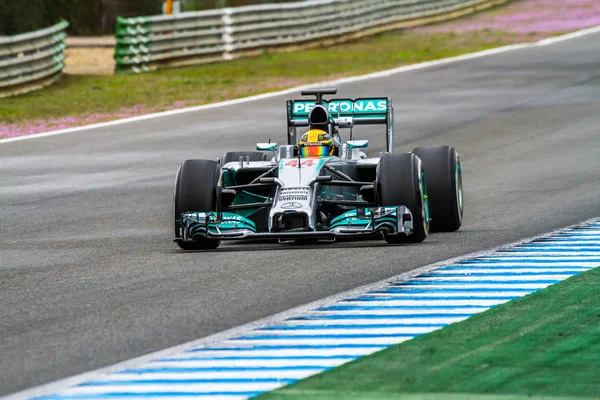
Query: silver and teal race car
[{"x": 275, "y": 193}]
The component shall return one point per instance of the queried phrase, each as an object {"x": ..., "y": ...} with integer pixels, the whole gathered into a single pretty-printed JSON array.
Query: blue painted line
[
  {"x": 578, "y": 245},
  {"x": 534, "y": 267},
  {"x": 555, "y": 251},
  {"x": 582, "y": 229},
  {"x": 292, "y": 347},
  {"x": 570, "y": 238},
  {"x": 570, "y": 246},
  {"x": 519, "y": 261},
  {"x": 417, "y": 282},
  {"x": 449, "y": 307},
  {"x": 532, "y": 258},
  {"x": 144, "y": 395},
  {"x": 525, "y": 260},
  {"x": 178, "y": 370},
  {"x": 258, "y": 358},
  {"x": 352, "y": 326},
  {"x": 585, "y": 231},
  {"x": 185, "y": 381},
  {"x": 501, "y": 274},
  {"x": 580, "y": 236},
  {"x": 338, "y": 336},
  {"x": 574, "y": 233},
  {"x": 389, "y": 316},
  {"x": 587, "y": 227},
  {"x": 452, "y": 290},
  {"x": 546, "y": 250},
  {"x": 427, "y": 298}
]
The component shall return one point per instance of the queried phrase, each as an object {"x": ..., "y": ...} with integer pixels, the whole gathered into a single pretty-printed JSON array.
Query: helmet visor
[{"x": 314, "y": 151}]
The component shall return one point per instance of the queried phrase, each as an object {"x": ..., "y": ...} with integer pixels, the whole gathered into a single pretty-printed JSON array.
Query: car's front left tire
[
  {"x": 444, "y": 184},
  {"x": 401, "y": 182}
]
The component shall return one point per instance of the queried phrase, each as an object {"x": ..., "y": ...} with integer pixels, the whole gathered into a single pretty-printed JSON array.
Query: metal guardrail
[
  {"x": 147, "y": 43},
  {"x": 32, "y": 60}
]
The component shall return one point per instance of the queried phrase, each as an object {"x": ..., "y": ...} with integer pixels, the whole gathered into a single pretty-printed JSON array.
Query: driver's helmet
[{"x": 317, "y": 143}]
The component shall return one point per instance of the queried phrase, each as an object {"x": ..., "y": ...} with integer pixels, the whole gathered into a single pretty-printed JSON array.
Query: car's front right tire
[{"x": 195, "y": 190}]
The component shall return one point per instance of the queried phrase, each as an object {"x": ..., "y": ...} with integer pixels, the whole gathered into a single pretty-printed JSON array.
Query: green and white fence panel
[
  {"x": 32, "y": 60},
  {"x": 146, "y": 43}
]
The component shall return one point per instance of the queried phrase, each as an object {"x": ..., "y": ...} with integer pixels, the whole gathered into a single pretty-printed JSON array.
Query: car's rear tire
[
  {"x": 195, "y": 190},
  {"x": 401, "y": 182},
  {"x": 444, "y": 185},
  {"x": 246, "y": 155}
]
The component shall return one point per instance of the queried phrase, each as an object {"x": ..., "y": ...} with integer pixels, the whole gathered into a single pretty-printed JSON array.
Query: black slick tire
[
  {"x": 195, "y": 190},
  {"x": 400, "y": 182},
  {"x": 444, "y": 186},
  {"x": 246, "y": 155}
]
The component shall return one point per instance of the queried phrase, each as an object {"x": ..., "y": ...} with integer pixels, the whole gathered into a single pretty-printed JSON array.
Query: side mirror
[
  {"x": 266, "y": 146},
  {"x": 288, "y": 151},
  {"x": 357, "y": 144},
  {"x": 227, "y": 196},
  {"x": 344, "y": 122},
  {"x": 368, "y": 193}
]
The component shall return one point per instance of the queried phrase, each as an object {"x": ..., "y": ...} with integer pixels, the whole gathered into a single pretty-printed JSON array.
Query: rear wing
[{"x": 363, "y": 111}]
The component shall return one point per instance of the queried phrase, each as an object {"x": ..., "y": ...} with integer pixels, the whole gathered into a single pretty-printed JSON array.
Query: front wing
[{"x": 359, "y": 223}]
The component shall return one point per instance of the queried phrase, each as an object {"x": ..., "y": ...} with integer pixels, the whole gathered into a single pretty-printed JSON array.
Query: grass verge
[
  {"x": 545, "y": 345},
  {"x": 97, "y": 98}
]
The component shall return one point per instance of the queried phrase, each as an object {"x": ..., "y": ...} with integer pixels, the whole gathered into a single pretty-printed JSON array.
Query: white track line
[
  {"x": 394, "y": 312},
  {"x": 474, "y": 279},
  {"x": 513, "y": 265},
  {"x": 349, "y": 352},
  {"x": 434, "y": 285},
  {"x": 425, "y": 303},
  {"x": 391, "y": 321},
  {"x": 499, "y": 293},
  {"x": 516, "y": 258},
  {"x": 191, "y": 388},
  {"x": 320, "y": 341},
  {"x": 346, "y": 330},
  {"x": 499, "y": 270},
  {"x": 282, "y": 374},
  {"x": 359, "y": 78},
  {"x": 216, "y": 363}
]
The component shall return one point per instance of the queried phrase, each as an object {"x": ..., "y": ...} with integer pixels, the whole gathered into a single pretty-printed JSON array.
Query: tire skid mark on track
[{"x": 278, "y": 353}]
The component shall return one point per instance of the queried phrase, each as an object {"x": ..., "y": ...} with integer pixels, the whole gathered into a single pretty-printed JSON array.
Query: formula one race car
[{"x": 319, "y": 188}]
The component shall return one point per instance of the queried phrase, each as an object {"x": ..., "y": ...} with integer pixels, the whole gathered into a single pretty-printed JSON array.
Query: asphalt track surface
[{"x": 89, "y": 275}]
